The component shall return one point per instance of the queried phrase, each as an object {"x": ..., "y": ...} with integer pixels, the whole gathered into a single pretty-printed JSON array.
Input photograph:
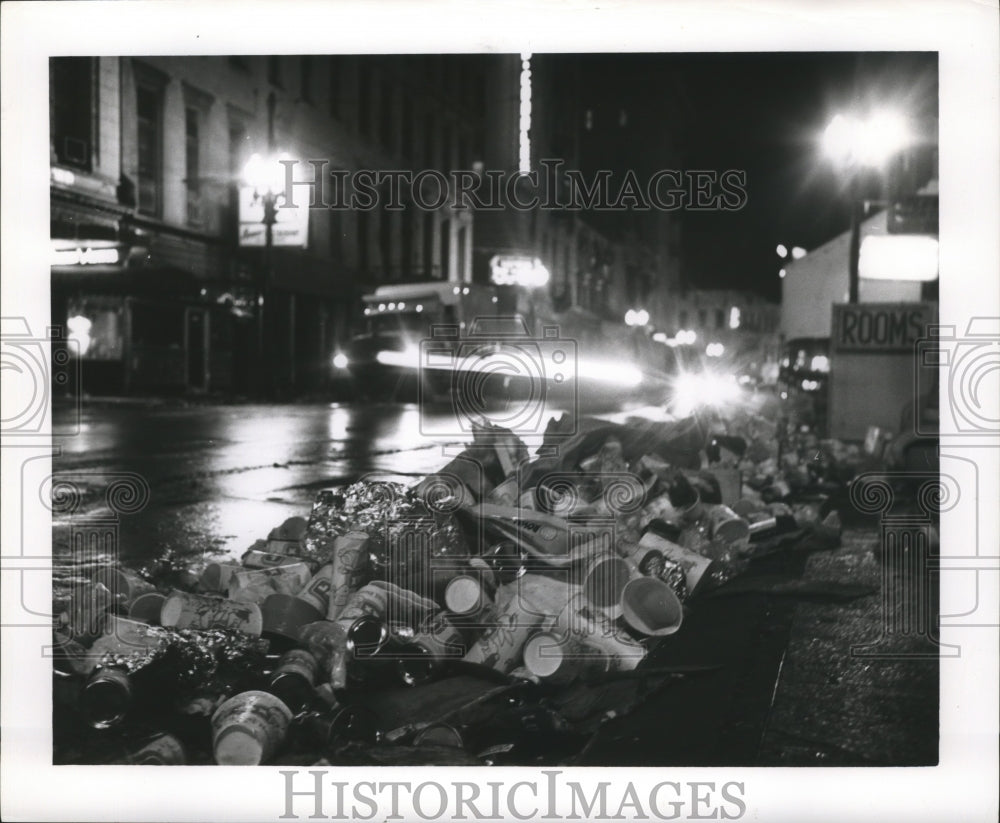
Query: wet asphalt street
[{"x": 221, "y": 476}]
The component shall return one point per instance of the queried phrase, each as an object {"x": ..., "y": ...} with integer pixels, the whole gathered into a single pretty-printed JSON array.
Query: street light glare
[
  {"x": 838, "y": 138},
  {"x": 266, "y": 174},
  {"x": 871, "y": 141},
  {"x": 782, "y": 251},
  {"x": 883, "y": 134}
]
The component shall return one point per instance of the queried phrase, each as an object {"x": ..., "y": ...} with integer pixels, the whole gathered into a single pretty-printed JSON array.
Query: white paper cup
[
  {"x": 183, "y": 610},
  {"x": 605, "y": 580},
  {"x": 465, "y": 596},
  {"x": 147, "y": 607},
  {"x": 727, "y": 526},
  {"x": 257, "y": 585},
  {"x": 248, "y": 728},
  {"x": 317, "y": 591},
  {"x": 165, "y": 750},
  {"x": 559, "y": 657},
  {"x": 347, "y": 570},
  {"x": 217, "y": 576},
  {"x": 124, "y": 584},
  {"x": 693, "y": 564},
  {"x": 650, "y": 606},
  {"x": 593, "y": 628}
]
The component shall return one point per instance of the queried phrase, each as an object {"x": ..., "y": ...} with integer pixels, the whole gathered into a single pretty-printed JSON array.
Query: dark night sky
[{"x": 762, "y": 113}]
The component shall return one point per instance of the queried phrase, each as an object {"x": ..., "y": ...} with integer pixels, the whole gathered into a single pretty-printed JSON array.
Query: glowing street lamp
[
  {"x": 266, "y": 176},
  {"x": 854, "y": 143}
]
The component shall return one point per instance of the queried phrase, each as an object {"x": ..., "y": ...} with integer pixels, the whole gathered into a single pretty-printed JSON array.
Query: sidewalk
[{"x": 832, "y": 708}]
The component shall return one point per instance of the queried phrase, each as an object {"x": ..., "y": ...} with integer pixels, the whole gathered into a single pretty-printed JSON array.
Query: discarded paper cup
[
  {"x": 527, "y": 603},
  {"x": 146, "y": 608},
  {"x": 558, "y": 657},
  {"x": 726, "y": 525},
  {"x": 349, "y": 566},
  {"x": 596, "y": 630},
  {"x": 248, "y": 728},
  {"x": 183, "y": 610},
  {"x": 317, "y": 591},
  {"x": 605, "y": 580},
  {"x": 255, "y": 559},
  {"x": 285, "y": 615},
  {"x": 165, "y": 750},
  {"x": 693, "y": 564},
  {"x": 650, "y": 606},
  {"x": 216, "y": 576},
  {"x": 327, "y": 640},
  {"x": 125, "y": 585},
  {"x": 256, "y": 585},
  {"x": 465, "y": 595},
  {"x": 593, "y": 628}
]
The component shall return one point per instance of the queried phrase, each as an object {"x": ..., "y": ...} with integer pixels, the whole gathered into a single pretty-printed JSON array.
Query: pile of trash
[{"x": 495, "y": 612}]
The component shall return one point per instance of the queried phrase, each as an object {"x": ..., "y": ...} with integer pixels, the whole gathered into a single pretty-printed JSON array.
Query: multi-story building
[
  {"x": 150, "y": 275},
  {"x": 147, "y": 158}
]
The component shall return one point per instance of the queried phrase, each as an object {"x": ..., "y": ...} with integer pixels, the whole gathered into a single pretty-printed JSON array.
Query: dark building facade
[
  {"x": 147, "y": 156},
  {"x": 149, "y": 275}
]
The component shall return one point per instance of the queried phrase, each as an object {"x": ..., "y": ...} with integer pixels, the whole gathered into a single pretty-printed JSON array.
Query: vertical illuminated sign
[{"x": 524, "y": 141}]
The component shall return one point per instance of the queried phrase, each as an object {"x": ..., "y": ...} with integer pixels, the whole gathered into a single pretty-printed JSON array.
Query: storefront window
[{"x": 94, "y": 328}]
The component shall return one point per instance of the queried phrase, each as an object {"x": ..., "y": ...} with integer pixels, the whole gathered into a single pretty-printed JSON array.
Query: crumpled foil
[
  {"x": 212, "y": 660},
  {"x": 405, "y": 534}
]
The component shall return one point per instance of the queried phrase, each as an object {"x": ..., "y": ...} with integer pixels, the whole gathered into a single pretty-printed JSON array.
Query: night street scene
[{"x": 496, "y": 409}]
